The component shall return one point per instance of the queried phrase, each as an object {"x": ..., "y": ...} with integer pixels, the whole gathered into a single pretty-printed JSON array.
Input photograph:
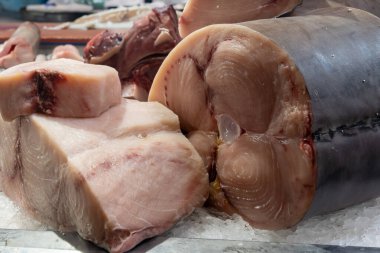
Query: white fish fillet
[{"x": 117, "y": 179}]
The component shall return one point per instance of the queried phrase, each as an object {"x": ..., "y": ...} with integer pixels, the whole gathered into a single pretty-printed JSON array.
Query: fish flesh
[
  {"x": 66, "y": 51},
  {"x": 138, "y": 53},
  {"x": 21, "y": 47},
  {"x": 372, "y": 6},
  {"x": 200, "y": 13},
  {"x": 61, "y": 87},
  {"x": 117, "y": 179},
  {"x": 295, "y": 103}
]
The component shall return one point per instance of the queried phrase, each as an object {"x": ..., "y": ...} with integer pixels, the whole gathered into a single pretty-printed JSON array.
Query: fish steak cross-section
[
  {"x": 117, "y": 179},
  {"x": 295, "y": 102}
]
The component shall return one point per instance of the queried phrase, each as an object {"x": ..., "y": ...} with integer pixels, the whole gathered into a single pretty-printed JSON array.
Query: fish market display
[
  {"x": 66, "y": 51},
  {"x": 21, "y": 47},
  {"x": 117, "y": 179},
  {"x": 295, "y": 103},
  {"x": 138, "y": 53},
  {"x": 61, "y": 87},
  {"x": 372, "y": 6},
  {"x": 200, "y": 13}
]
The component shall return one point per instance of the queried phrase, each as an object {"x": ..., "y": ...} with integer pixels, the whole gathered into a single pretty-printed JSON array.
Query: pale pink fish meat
[
  {"x": 201, "y": 13},
  {"x": 117, "y": 179},
  {"x": 66, "y": 51},
  {"x": 21, "y": 47},
  {"x": 61, "y": 87}
]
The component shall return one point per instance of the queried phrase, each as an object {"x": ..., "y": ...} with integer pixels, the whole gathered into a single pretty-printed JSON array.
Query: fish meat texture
[
  {"x": 295, "y": 103},
  {"x": 66, "y": 51},
  {"x": 117, "y": 179},
  {"x": 138, "y": 53},
  {"x": 372, "y": 6},
  {"x": 21, "y": 47},
  {"x": 61, "y": 87},
  {"x": 200, "y": 13}
]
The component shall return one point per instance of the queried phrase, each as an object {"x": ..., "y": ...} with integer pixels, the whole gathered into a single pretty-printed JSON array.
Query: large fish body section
[
  {"x": 21, "y": 47},
  {"x": 339, "y": 57},
  {"x": 200, "y": 13},
  {"x": 296, "y": 104}
]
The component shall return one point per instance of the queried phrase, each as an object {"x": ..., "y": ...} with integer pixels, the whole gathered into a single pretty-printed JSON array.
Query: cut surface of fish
[
  {"x": 116, "y": 179},
  {"x": 21, "y": 47},
  {"x": 61, "y": 87},
  {"x": 295, "y": 104}
]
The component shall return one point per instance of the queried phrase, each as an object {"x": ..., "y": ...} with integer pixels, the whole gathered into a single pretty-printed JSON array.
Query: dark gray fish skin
[
  {"x": 340, "y": 61},
  {"x": 372, "y": 6},
  {"x": 348, "y": 169}
]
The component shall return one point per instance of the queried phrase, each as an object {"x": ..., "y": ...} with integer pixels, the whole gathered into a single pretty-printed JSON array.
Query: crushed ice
[{"x": 355, "y": 226}]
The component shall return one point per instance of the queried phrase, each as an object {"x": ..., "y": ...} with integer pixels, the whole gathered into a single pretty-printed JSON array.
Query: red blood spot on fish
[
  {"x": 45, "y": 82},
  {"x": 12, "y": 48},
  {"x": 116, "y": 237},
  {"x": 79, "y": 181},
  {"x": 132, "y": 156}
]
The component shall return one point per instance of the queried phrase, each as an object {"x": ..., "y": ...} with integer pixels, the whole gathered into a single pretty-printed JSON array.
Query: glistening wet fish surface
[{"x": 304, "y": 92}]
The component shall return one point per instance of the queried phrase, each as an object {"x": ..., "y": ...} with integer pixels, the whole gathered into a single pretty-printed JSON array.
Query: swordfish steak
[
  {"x": 61, "y": 87},
  {"x": 117, "y": 179},
  {"x": 295, "y": 103}
]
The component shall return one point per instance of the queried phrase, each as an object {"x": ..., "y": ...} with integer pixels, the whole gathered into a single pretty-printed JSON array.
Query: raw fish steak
[
  {"x": 295, "y": 103},
  {"x": 117, "y": 179},
  {"x": 61, "y": 87}
]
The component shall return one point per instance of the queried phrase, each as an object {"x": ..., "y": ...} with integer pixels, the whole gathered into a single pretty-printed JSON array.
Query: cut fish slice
[
  {"x": 61, "y": 87},
  {"x": 117, "y": 179}
]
